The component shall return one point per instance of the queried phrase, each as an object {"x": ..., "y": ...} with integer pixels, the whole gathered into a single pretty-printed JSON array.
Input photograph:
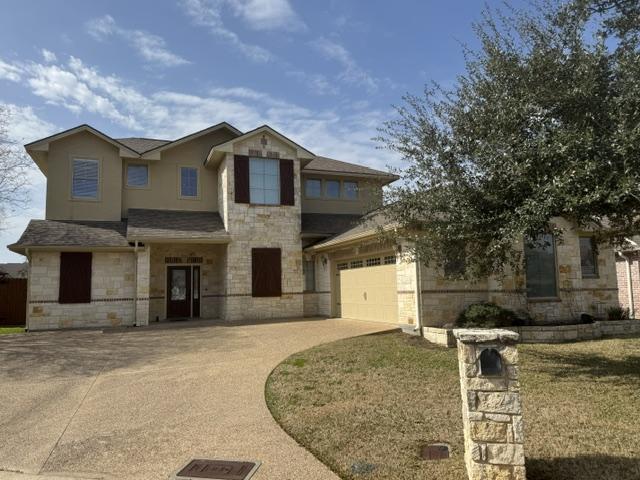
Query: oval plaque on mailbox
[{"x": 490, "y": 362}]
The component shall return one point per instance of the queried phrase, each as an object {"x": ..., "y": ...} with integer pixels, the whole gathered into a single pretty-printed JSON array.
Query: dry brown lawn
[{"x": 365, "y": 405}]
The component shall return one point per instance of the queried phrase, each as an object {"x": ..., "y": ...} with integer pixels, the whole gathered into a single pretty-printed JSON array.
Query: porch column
[{"x": 143, "y": 275}]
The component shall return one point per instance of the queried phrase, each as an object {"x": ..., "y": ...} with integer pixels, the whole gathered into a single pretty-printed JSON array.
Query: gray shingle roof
[
  {"x": 366, "y": 224},
  {"x": 327, "y": 223},
  {"x": 141, "y": 145},
  {"x": 337, "y": 166},
  {"x": 174, "y": 224},
  {"x": 68, "y": 233}
]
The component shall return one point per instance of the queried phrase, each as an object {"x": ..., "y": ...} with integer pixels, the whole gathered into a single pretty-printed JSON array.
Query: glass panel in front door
[{"x": 178, "y": 284}]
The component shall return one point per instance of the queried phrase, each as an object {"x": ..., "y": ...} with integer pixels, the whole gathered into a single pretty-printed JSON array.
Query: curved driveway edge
[{"x": 138, "y": 404}]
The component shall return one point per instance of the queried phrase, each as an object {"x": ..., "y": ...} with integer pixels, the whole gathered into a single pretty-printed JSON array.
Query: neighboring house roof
[
  {"x": 71, "y": 233},
  {"x": 324, "y": 165},
  {"x": 14, "y": 270},
  {"x": 142, "y": 144},
  {"x": 147, "y": 224},
  {"x": 327, "y": 224},
  {"x": 367, "y": 226}
]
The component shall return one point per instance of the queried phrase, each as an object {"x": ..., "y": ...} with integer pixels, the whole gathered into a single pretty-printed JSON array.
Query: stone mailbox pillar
[{"x": 491, "y": 408}]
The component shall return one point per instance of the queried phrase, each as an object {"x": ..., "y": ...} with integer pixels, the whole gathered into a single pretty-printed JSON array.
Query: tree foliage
[
  {"x": 14, "y": 166},
  {"x": 543, "y": 123}
]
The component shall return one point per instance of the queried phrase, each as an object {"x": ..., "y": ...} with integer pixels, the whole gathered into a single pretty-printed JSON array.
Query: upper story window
[
  {"x": 188, "y": 182},
  {"x": 313, "y": 188},
  {"x": 350, "y": 190},
  {"x": 332, "y": 189},
  {"x": 264, "y": 181},
  {"x": 137, "y": 175},
  {"x": 588, "y": 258},
  {"x": 540, "y": 258},
  {"x": 86, "y": 173}
]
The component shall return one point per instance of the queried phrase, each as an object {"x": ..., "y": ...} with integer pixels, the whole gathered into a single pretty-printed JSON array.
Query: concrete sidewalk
[{"x": 138, "y": 404}]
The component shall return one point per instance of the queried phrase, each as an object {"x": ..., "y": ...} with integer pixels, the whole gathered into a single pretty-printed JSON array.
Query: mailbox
[{"x": 490, "y": 363}]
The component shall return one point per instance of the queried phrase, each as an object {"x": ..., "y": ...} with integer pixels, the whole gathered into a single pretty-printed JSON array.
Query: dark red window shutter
[
  {"x": 286, "y": 182},
  {"x": 266, "y": 272},
  {"x": 75, "y": 277},
  {"x": 241, "y": 176}
]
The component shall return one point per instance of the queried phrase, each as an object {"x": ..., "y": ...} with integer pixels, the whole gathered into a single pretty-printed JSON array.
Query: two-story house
[
  {"x": 241, "y": 226},
  {"x": 211, "y": 225}
]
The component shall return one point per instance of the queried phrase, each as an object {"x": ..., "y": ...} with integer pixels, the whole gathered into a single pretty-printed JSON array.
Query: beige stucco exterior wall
[
  {"x": 60, "y": 205},
  {"x": 211, "y": 276},
  {"x": 369, "y": 196},
  {"x": 164, "y": 178},
  {"x": 260, "y": 226},
  {"x": 112, "y": 292}
]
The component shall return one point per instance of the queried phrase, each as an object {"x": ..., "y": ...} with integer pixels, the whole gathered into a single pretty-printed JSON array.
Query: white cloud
[
  {"x": 317, "y": 83},
  {"x": 24, "y": 125},
  {"x": 268, "y": 14},
  {"x": 207, "y": 13},
  {"x": 351, "y": 73},
  {"x": 10, "y": 72},
  {"x": 149, "y": 46},
  {"x": 49, "y": 56}
]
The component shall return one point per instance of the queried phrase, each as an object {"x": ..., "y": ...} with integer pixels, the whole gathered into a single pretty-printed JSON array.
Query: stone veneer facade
[
  {"x": 491, "y": 407},
  {"x": 261, "y": 226},
  {"x": 112, "y": 293}
]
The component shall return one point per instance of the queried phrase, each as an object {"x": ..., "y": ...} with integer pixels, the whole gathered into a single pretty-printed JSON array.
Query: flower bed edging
[{"x": 549, "y": 333}]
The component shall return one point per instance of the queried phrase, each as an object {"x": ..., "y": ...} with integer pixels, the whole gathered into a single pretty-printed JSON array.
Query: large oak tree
[{"x": 544, "y": 122}]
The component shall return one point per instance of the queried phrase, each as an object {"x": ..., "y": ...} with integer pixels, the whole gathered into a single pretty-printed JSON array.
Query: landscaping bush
[
  {"x": 618, "y": 313},
  {"x": 487, "y": 315}
]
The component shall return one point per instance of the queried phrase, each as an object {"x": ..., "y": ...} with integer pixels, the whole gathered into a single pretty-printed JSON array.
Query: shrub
[
  {"x": 618, "y": 313},
  {"x": 486, "y": 315}
]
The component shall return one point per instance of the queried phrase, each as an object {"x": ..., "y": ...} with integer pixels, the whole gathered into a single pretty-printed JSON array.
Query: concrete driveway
[{"x": 138, "y": 404}]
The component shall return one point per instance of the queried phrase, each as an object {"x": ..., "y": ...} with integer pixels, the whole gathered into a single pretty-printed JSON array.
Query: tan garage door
[{"x": 368, "y": 289}]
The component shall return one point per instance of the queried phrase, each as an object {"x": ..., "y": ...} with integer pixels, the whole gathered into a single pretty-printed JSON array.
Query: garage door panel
[{"x": 369, "y": 293}]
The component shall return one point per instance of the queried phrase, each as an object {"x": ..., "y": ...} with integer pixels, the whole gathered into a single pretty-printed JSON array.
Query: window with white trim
[
  {"x": 137, "y": 175},
  {"x": 264, "y": 181},
  {"x": 188, "y": 182},
  {"x": 356, "y": 264},
  {"x": 85, "y": 178},
  {"x": 373, "y": 262},
  {"x": 390, "y": 260}
]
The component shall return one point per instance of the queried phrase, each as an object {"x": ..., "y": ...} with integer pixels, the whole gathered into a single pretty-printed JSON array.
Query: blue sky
[{"x": 324, "y": 73}]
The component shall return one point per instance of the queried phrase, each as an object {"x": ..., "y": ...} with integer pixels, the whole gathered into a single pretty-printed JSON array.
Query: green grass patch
[
  {"x": 373, "y": 401},
  {"x": 8, "y": 330}
]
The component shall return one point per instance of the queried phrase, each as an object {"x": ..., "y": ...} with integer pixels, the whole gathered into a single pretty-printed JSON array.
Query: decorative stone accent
[{"x": 491, "y": 407}]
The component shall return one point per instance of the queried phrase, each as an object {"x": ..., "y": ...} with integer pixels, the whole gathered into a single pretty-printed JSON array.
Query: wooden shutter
[
  {"x": 266, "y": 272},
  {"x": 75, "y": 277},
  {"x": 241, "y": 178},
  {"x": 286, "y": 182}
]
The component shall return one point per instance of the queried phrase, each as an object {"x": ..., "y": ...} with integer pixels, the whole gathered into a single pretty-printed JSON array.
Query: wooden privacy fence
[{"x": 13, "y": 301}]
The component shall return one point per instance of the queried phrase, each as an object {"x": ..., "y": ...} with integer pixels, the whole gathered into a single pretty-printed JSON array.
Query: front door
[{"x": 179, "y": 292}]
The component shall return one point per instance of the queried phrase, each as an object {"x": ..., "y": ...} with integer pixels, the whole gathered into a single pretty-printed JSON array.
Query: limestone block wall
[
  {"x": 491, "y": 406},
  {"x": 262, "y": 226},
  {"x": 112, "y": 293},
  {"x": 143, "y": 277},
  {"x": 212, "y": 268},
  {"x": 623, "y": 284},
  {"x": 576, "y": 294}
]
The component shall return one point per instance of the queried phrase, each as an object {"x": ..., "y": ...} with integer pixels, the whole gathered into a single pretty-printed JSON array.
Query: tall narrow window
[
  {"x": 309, "y": 268},
  {"x": 264, "y": 181},
  {"x": 188, "y": 182},
  {"x": 75, "y": 277},
  {"x": 540, "y": 258},
  {"x": 137, "y": 175},
  {"x": 588, "y": 258},
  {"x": 85, "y": 179}
]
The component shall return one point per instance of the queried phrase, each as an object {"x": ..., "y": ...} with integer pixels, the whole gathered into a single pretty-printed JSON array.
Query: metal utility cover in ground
[{"x": 216, "y": 470}]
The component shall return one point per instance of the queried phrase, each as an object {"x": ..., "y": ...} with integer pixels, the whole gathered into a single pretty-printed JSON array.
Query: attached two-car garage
[{"x": 365, "y": 288}]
